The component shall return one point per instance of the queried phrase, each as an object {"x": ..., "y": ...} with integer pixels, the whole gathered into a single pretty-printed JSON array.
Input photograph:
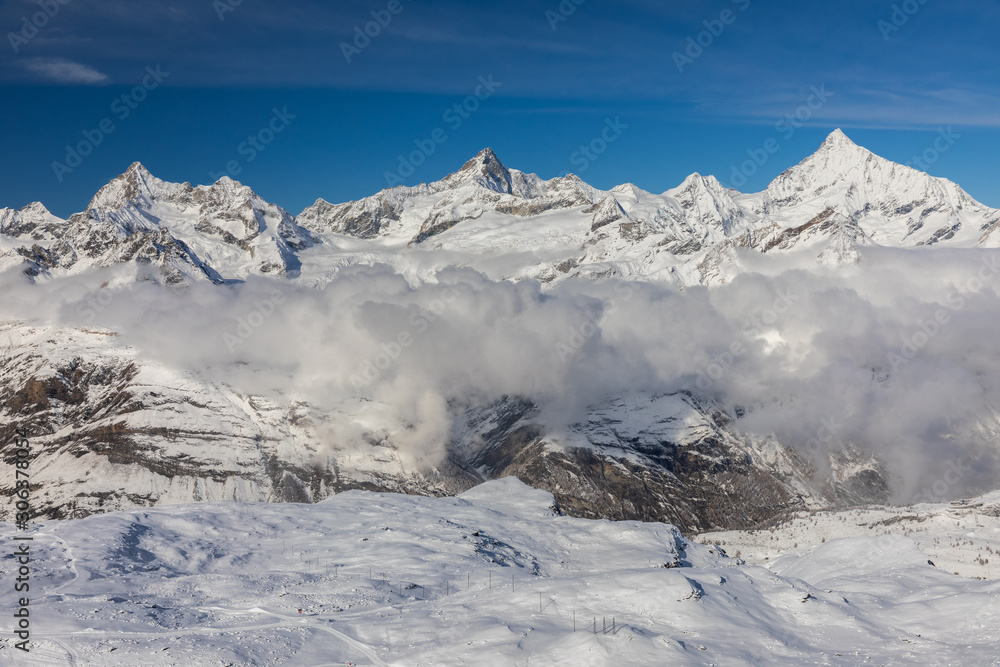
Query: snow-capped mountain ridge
[
  {"x": 414, "y": 214},
  {"x": 218, "y": 232},
  {"x": 485, "y": 208}
]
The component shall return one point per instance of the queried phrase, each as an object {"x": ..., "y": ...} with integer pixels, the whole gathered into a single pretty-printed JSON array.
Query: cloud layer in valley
[{"x": 898, "y": 355}]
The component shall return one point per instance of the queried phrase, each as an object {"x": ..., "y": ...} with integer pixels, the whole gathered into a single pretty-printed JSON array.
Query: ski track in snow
[{"x": 305, "y": 620}]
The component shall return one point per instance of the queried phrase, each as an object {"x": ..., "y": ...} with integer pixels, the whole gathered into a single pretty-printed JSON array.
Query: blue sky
[{"x": 890, "y": 86}]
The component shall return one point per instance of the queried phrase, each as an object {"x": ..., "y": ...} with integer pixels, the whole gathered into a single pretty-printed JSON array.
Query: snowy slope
[
  {"x": 493, "y": 577},
  {"x": 959, "y": 537}
]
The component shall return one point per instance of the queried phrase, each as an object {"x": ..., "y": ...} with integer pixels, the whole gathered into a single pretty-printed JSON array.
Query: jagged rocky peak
[
  {"x": 315, "y": 217},
  {"x": 364, "y": 218},
  {"x": 135, "y": 186},
  {"x": 481, "y": 184},
  {"x": 8, "y": 217},
  {"x": 484, "y": 170},
  {"x": 127, "y": 187},
  {"x": 709, "y": 201},
  {"x": 229, "y": 200}
]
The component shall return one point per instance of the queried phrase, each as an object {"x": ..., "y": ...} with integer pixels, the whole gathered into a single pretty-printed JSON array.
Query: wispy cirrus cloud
[
  {"x": 60, "y": 70},
  {"x": 860, "y": 99}
]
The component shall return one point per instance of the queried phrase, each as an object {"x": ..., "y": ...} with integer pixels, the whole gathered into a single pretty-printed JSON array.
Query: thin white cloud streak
[
  {"x": 826, "y": 358},
  {"x": 60, "y": 70},
  {"x": 868, "y": 104}
]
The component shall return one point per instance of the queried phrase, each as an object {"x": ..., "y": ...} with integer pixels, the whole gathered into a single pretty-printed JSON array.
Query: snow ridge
[{"x": 225, "y": 232}]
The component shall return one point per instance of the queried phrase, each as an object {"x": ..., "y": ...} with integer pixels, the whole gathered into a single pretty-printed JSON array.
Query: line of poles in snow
[{"x": 613, "y": 629}]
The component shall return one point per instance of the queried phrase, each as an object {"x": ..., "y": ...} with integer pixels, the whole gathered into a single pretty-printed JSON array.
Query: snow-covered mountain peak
[
  {"x": 484, "y": 170},
  {"x": 488, "y": 156},
  {"x": 136, "y": 186},
  {"x": 895, "y": 204},
  {"x": 697, "y": 181},
  {"x": 215, "y": 232},
  {"x": 629, "y": 190},
  {"x": 704, "y": 199},
  {"x": 227, "y": 182},
  {"x": 135, "y": 182},
  {"x": 228, "y": 192},
  {"x": 33, "y": 219},
  {"x": 838, "y": 138},
  {"x": 839, "y": 155},
  {"x": 485, "y": 207},
  {"x": 841, "y": 169},
  {"x": 35, "y": 210}
]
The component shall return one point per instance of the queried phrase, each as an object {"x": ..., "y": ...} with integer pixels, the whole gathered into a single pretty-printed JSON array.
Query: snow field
[{"x": 223, "y": 583}]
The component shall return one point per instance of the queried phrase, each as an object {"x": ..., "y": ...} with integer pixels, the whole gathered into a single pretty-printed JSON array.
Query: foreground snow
[{"x": 493, "y": 577}]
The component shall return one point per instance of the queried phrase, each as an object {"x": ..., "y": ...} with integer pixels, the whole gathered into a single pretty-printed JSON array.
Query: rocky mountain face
[
  {"x": 642, "y": 457},
  {"x": 116, "y": 431}
]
